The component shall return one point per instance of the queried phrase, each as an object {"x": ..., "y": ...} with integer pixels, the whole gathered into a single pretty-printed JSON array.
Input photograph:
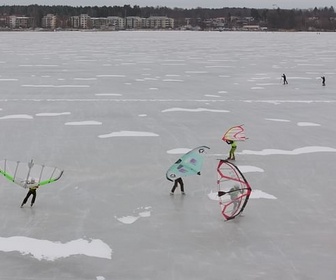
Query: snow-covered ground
[{"x": 116, "y": 109}]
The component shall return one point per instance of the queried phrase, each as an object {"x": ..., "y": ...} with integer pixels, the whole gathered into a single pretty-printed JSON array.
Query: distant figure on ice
[
  {"x": 177, "y": 181},
  {"x": 323, "y": 80},
  {"x": 32, "y": 185},
  {"x": 232, "y": 150},
  {"x": 284, "y": 79}
]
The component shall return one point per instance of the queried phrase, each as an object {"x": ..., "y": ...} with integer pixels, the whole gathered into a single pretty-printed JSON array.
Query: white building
[
  {"x": 49, "y": 21},
  {"x": 159, "y": 22},
  {"x": 20, "y": 22},
  {"x": 117, "y": 22},
  {"x": 134, "y": 22},
  {"x": 84, "y": 21}
]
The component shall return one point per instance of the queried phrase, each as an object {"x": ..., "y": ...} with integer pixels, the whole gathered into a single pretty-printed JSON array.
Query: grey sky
[{"x": 285, "y": 4}]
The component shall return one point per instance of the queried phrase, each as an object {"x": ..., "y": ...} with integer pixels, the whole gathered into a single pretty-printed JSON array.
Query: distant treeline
[{"x": 273, "y": 19}]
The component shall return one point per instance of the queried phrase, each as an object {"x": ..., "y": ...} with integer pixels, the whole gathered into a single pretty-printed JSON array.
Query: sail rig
[
  {"x": 22, "y": 173},
  {"x": 233, "y": 189},
  {"x": 189, "y": 164}
]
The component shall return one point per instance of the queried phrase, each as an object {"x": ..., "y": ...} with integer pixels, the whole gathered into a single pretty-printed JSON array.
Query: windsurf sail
[
  {"x": 235, "y": 133},
  {"x": 24, "y": 173},
  {"x": 233, "y": 189},
  {"x": 189, "y": 164}
]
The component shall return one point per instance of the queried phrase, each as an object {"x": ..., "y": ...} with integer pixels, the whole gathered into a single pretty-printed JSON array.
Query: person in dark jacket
[
  {"x": 284, "y": 79},
  {"x": 177, "y": 182},
  {"x": 323, "y": 80}
]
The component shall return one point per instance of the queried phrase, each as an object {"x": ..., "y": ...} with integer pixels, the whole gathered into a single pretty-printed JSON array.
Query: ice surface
[{"x": 116, "y": 109}]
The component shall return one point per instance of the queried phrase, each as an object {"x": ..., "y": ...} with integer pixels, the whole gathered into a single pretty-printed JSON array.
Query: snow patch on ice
[
  {"x": 50, "y": 251},
  {"x": 84, "y": 123},
  {"x": 143, "y": 212},
  {"x": 52, "y": 114},
  {"x": 8, "y": 80},
  {"x": 249, "y": 168},
  {"x": 53, "y": 86},
  {"x": 194, "y": 110},
  {"x": 172, "y": 80},
  {"x": 110, "y": 76},
  {"x": 260, "y": 194},
  {"x": 108, "y": 94},
  {"x": 178, "y": 151},
  {"x": 298, "y": 151},
  {"x": 16, "y": 117},
  {"x": 277, "y": 120},
  {"x": 257, "y": 88},
  {"x": 255, "y": 194},
  {"x": 126, "y": 133},
  {"x": 210, "y": 95},
  {"x": 307, "y": 124}
]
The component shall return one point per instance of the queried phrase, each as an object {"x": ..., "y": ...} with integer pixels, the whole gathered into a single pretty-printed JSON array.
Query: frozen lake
[{"x": 116, "y": 109}]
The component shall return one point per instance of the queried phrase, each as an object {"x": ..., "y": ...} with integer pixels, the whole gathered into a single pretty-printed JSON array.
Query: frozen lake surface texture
[{"x": 115, "y": 110}]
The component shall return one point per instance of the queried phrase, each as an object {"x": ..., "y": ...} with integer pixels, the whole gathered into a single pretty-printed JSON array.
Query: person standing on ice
[
  {"x": 284, "y": 79},
  {"x": 177, "y": 182},
  {"x": 323, "y": 80},
  {"x": 232, "y": 150},
  {"x": 32, "y": 185}
]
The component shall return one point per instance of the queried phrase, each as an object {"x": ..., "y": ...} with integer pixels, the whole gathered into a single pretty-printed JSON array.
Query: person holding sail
[
  {"x": 284, "y": 79},
  {"x": 177, "y": 182},
  {"x": 232, "y": 150},
  {"x": 33, "y": 185}
]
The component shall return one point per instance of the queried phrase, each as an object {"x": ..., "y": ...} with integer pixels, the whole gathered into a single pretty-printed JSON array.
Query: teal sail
[
  {"x": 22, "y": 173},
  {"x": 189, "y": 164}
]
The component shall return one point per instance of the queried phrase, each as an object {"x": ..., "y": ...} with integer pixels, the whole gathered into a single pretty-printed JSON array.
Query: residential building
[
  {"x": 49, "y": 21},
  {"x": 159, "y": 22},
  {"x": 21, "y": 22},
  {"x": 134, "y": 22}
]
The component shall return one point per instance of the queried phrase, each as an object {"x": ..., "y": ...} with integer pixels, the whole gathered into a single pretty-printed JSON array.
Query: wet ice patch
[
  {"x": 307, "y": 124},
  {"x": 126, "y": 133},
  {"x": 298, "y": 151},
  {"x": 193, "y": 110},
  {"x": 84, "y": 123},
  {"x": 23, "y": 116},
  {"x": 50, "y": 251},
  {"x": 141, "y": 212}
]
